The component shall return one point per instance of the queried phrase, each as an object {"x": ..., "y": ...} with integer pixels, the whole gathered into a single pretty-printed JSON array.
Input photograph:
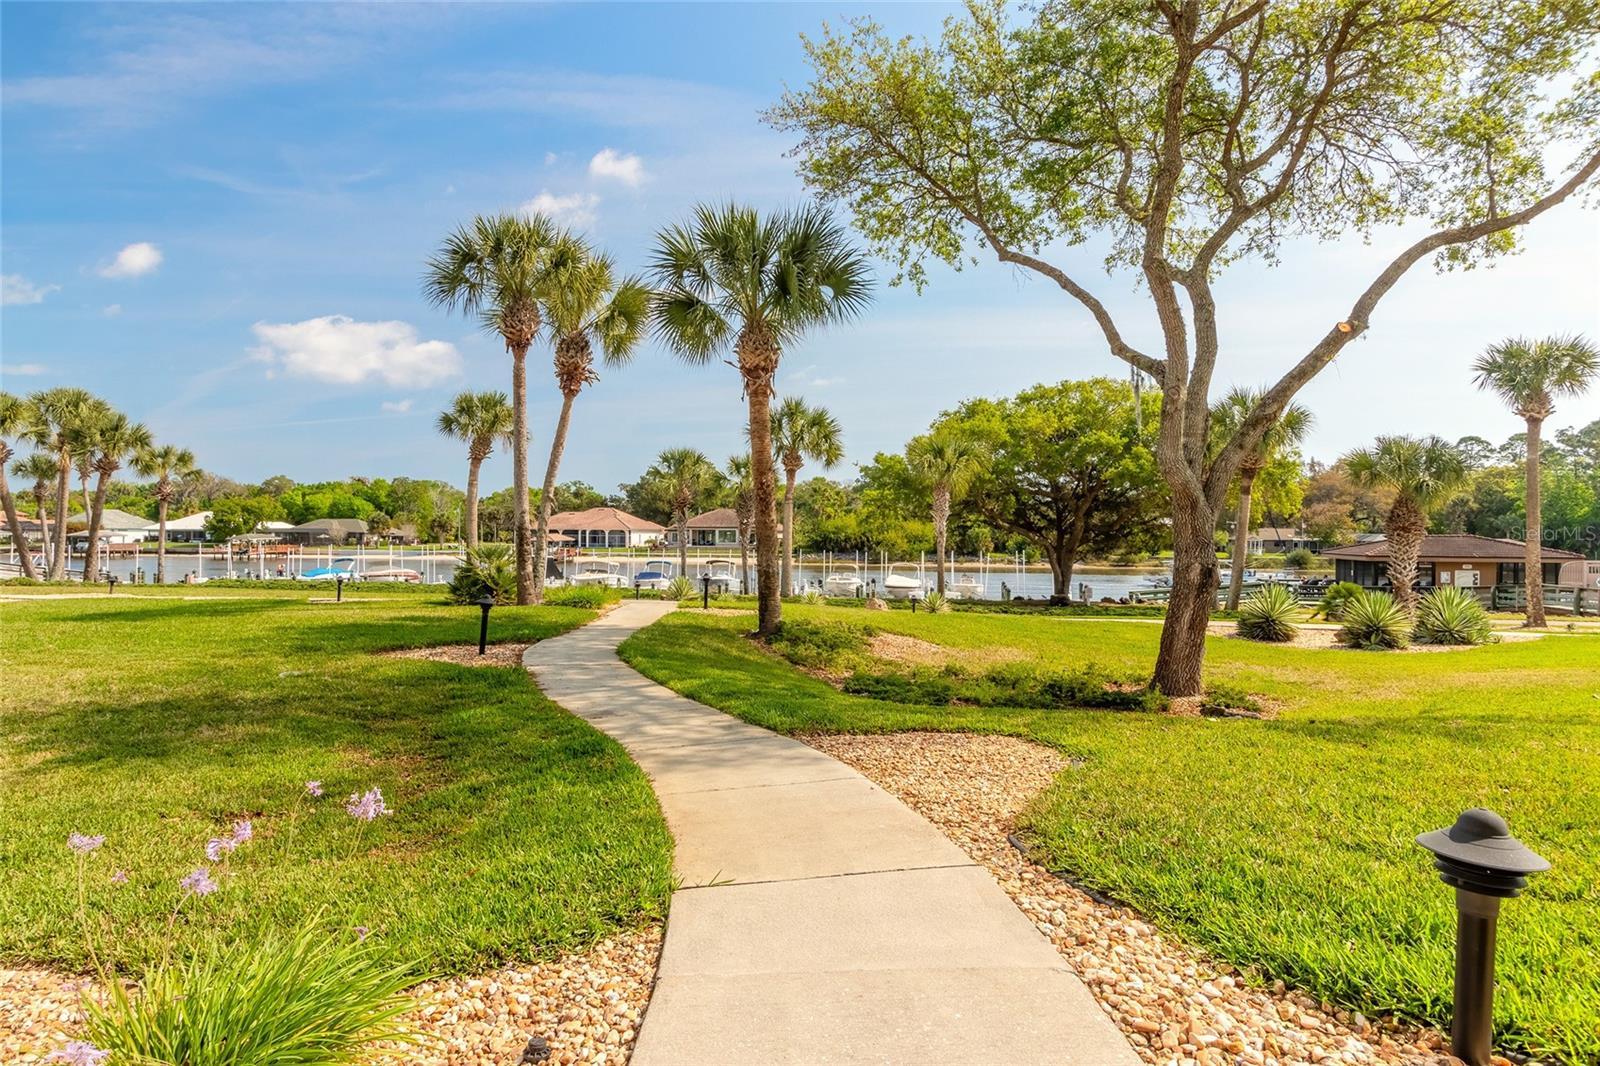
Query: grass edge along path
[{"x": 1283, "y": 847}]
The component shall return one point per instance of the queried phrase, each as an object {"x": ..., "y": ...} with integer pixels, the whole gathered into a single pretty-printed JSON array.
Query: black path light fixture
[
  {"x": 705, "y": 592},
  {"x": 111, "y": 584},
  {"x": 338, "y": 589},
  {"x": 914, "y": 599},
  {"x": 1484, "y": 863},
  {"x": 484, "y": 602}
]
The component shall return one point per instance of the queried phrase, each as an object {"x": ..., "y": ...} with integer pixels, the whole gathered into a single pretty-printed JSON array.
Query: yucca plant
[
  {"x": 1375, "y": 621},
  {"x": 306, "y": 998},
  {"x": 935, "y": 603},
  {"x": 489, "y": 569},
  {"x": 1269, "y": 615},
  {"x": 680, "y": 588},
  {"x": 1336, "y": 599},
  {"x": 1452, "y": 616},
  {"x": 812, "y": 597}
]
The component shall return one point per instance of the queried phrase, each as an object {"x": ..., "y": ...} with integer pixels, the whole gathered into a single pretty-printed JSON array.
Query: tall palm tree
[
  {"x": 730, "y": 278},
  {"x": 585, "y": 305},
  {"x": 1227, "y": 416},
  {"x": 799, "y": 433},
  {"x": 167, "y": 464},
  {"x": 1422, "y": 472},
  {"x": 13, "y": 418},
  {"x": 57, "y": 418},
  {"x": 112, "y": 439},
  {"x": 40, "y": 469},
  {"x": 744, "y": 509},
  {"x": 684, "y": 475},
  {"x": 947, "y": 461},
  {"x": 1528, "y": 375},
  {"x": 481, "y": 419},
  {"x": 498, "y": 267}
]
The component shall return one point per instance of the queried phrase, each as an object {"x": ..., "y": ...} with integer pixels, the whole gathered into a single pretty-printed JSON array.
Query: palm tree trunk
[
  {"x": 1241, "y": 539},
  {"x": 474, "y": 463},
  {"x": 58, "y": 563},
  {"x": 1406, "y": 526},
  {"x": 680, "y": 523},
  {"x": 941, "y": 524},
  {"x": 547, "y": 494},
  {"x": 744, "y": 558},
  {"x": 786, "y": 579},
  {"x": 41, "y": 508},
  {"x": 91, "y": 553},
  {"x": 769, "y": 606},
  {"x": 161, "y": 543},
  {"x": 1533, "y": 541},
  {"x": 519, "y": 472},
  {"x": 14, "y": 523}
]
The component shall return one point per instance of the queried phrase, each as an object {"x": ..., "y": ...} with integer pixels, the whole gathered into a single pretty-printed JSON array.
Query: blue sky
[{"x": 216, "y": 215}]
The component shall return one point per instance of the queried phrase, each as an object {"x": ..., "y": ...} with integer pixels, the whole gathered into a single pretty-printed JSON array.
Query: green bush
[
  {"x": 934, "y": 603},
  {"x": 307, "y": 998},
  {"x": 489, "y": 569},
  {"x": 590, "y": 597},
  {"x": 918, "y": 687},
  {"x": 1336, "y": 598},
  {"x": 1269, "y": 615},
  {"x": 1452, "y": 616},
  {"x": 812, "y": 597},
  {"x": 1376, "y": 622},
  {"x": 1300, "y": 559},
  {"x": 1008, "y": 685},
  {"x": 679, "y": 588},
  {"x": 1222, "y": 699},
  {"x": 820, "y": 645}
]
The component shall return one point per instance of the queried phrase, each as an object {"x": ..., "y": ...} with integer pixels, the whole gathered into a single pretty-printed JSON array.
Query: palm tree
[
  {"x": 1528, "y": 375},
  {"x": 684, "y": 475},
  {"x": 13, "y": 418},
  {"x": 800, "y": 433},
  {"x": 1228, "y": 415},
  {"x": 585, "y": 305},
  {"x": 113, "y": 439},
  {"x": 56, "y": 420},
  {"x": 41, "y": 470},
  {"x": 166, "y": 463},
  {"x": 1422, "y": 472},
  {"x": 729, "y": 278},
  {"x": 947, "y": 461},
  {"x": 481, "y": 419},
  {"x": 499, "y": 268},
  {"x": 744, "y": 507}
]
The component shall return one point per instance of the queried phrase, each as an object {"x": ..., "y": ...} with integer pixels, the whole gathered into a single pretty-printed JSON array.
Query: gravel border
[{"x": 1175, "y": 1005}]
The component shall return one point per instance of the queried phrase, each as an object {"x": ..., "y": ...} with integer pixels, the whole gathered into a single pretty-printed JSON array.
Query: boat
[
  {"x": 899, "y": 586},
  {"x": 843, "y": 580},
  {"x": 964, "y": 587},
  {"x": 724, "y": 574},
  {"x": 656, "y": 574},
  {"x": 596, "y": 571},
  {"x": 340, "y": 569},
  {"x": 394, "y": 574}
]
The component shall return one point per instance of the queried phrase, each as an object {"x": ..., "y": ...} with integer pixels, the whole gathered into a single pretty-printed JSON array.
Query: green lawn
[
  {"x": 517, "y": 831},
  {"x": 1285, "y": 846}
]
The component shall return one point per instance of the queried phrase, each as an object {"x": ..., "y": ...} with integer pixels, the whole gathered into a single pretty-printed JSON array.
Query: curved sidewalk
[{"x": 818, "y": 920}]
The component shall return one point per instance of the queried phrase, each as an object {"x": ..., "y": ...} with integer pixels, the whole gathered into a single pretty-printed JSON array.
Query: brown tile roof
[
  {"x": 1450, "y": 546},
  {"x": 721, "y": 518},
  {"x": 606, "y": 518}
]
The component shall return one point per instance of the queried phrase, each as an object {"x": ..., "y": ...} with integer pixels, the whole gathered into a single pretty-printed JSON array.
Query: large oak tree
[{"x": 1184, "y": 135}]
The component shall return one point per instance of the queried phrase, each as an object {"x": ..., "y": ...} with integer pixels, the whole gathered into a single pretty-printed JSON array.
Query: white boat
[
  {"x": 964, "y": 587},
  {"x": 394, "y": 574},
  {"x": 843, "y": 580},
  {"x": 594, "y": 571},
  {"x": 899, "y": 586},
  {"x": 724, "y": 574},
  {"x": 656, "y": 574}
]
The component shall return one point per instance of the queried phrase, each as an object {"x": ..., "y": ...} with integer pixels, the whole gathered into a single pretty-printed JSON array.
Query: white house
[
  {"x": 189, "y": 528},
  {"x": 116, "y": 527},
  {"x": 606, "y": 527}
]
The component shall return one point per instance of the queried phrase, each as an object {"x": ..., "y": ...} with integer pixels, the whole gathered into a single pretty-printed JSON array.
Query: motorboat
[
  {"x": 964, "y": 587},
  {"x": 341, "y": 569},
  {"x": 843, "y": 580},
  {"x": 394, "y": 574},
  {"x": 597, "y": 572},
  {"x": 900, "y": 586},
  {"x": 724, "y": 574},
  {"x": 656, "y": 574}
]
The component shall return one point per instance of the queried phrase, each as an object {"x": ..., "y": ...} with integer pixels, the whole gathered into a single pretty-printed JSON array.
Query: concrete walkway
[{"x": 819, "y": 920}]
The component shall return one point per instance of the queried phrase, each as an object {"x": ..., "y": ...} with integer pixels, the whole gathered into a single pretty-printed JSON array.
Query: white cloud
[
  {"x": 26, "y": 370},
  {"x": 610, "y": 164},
  {"x": 340, "y": 350},
  {"x": 136, "y": 260},
  {"x": 111, "y": 310},
  {"x": 575, "y": 209},
  {"x": 395, "y": 407},
  {"x": 16, "y": 289}
]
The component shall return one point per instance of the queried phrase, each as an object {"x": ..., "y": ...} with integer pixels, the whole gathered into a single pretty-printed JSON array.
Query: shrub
[
  {"x": 1336, "y": 598},
  {"x": 489, "y": 569},
  {"x": 679, "y": 588},
  {"x": 1228, "y": 699},
  {"x": 820, "y": 645},
  {"x": 1300, "y": 559},
  {"x": 1374, "y": 621},
  {"x": 1269, "y": 615},
  {"x": 919, "y": 687},
  {"x": 590, "y": 597},
  {"x": 812, "y": 597},
  {"x": 1452, "y": 616},
  {"x": 934, "y": 603},
  {"x": 304, "y": 998}
]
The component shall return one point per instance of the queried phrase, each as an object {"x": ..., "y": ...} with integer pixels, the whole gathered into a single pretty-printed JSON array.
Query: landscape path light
[
  {"x": 484, "y": 602},
  {"x": 338, "y": 589},
  {"x": 111, "y": 584},
  {"x": 1484, "y": 863},
  {"x": 705, "y": 591}
]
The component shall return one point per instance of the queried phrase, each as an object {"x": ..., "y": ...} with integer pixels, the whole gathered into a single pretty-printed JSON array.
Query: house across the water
[
  {"x": 713, "y": 529},
  {"x": 606, "y": 527},
  {"x": 1461, "y": 559}
]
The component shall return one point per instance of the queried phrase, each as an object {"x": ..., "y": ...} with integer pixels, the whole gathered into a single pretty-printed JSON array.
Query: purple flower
[
  {"x": 366, "y": 806},
  {"x": 83, "y": 845},
  {"x": 242, "y": 831},
  {"x": 314, "y": 788},
  {"x": 216, "y": 847},
  {"x": 78, "y": 1053},
  {"x": 361, "y": 932},
  {"x": 120, "y": 877},
  {"x": 199, "y": 882}
]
